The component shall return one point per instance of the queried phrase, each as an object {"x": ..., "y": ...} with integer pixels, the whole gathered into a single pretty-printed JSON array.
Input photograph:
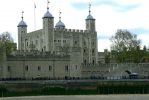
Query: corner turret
[
  {"x": 22, "y": 29},
  {"x": 48, "y": 19},
  {"x": 90, "y": 21},
  {"x": 48, "y": 30}
]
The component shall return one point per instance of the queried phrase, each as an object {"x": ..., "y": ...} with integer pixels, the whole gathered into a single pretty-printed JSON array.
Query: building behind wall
[{"x": 57, "y": 40}]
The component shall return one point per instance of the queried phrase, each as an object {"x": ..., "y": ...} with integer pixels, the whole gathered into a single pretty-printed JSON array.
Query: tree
[
  {"x": 124, "y": 40},
  {"x": 107, "y": 58},
  {"x": 126, "y": 46},
  {"x": 6, "y": 43}
]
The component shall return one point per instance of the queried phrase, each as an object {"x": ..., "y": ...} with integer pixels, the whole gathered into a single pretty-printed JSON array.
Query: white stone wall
[
  {"x": 33, "y": 41},
  {"x": 34, "y": 68},
  {"x": 63, "y": 38}
]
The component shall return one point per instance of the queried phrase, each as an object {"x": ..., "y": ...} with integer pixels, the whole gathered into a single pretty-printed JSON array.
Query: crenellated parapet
[
  {"x": 70, "y": 30},
  {"x": 37, "y": 56}
]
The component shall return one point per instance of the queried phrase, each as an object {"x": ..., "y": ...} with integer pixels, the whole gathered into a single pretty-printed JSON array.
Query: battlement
[
  {"x": 71, "y": 30},
  {"x": 90, "y": 65},
  {"x": 36, "y": 56}
]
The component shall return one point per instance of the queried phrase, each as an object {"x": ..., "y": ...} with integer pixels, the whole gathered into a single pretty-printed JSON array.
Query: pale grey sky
[{"x": 110, "y": 15}]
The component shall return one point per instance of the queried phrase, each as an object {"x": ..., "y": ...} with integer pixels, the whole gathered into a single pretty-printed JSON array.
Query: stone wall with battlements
[
  {"x": 37, "y": 64},
  {"x": 115, "y": 70}
]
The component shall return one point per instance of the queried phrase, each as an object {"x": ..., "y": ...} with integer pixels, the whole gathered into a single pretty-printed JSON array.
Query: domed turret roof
[
  {"x": 47, "y": 15},
  {"x": 22, "y": 24},
  {"x": 60, "y": 24},
  {"x": 90, "y": 17}
]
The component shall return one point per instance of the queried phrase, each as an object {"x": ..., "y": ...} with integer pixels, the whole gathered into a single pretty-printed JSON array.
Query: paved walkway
[{"x": 82, "y": 97}]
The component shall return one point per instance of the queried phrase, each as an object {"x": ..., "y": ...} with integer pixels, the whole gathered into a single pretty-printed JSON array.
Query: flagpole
[{"x": 34, "y": 16}]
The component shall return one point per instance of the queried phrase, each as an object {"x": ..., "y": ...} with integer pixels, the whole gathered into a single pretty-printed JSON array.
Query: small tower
[
  {"x": 92, "y": 39},
  {"x": 60, "y": 24},
  {"x": 22, "y": 29},
  {"x": 48, "y": 30},
  {"x": 90, "y": 21}
]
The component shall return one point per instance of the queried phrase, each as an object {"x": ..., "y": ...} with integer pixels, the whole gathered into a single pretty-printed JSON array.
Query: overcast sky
[{"x": 110, "y": 15}]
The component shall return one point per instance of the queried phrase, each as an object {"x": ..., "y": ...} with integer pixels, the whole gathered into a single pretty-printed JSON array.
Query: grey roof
[
  {"x": 90, "y": 17},
  {"x": 60, "y": 24},
  {"x": 47, "y": 15},
  {"x": 22, "y": 24}
]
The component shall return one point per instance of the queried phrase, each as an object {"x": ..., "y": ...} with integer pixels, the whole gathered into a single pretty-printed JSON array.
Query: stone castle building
[
  {"x": 52, "y": 51},
  {"x": 57, "y": 52},
  {"x": 60, "y": 40}
]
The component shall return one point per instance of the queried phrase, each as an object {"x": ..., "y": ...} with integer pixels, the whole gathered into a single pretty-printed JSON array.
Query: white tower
[{"x": 48, "y": 30}]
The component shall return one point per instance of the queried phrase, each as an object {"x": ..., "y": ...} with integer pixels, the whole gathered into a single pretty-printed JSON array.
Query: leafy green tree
[
  {"x": 144, "y": 48},
  {"x": 144, "y": 54},
  {"x": 126, "y": 46},
  {"x": 124, "y": 40},
  {"x": 6, "y": 43},
  {"x": 107, "y": 58}
]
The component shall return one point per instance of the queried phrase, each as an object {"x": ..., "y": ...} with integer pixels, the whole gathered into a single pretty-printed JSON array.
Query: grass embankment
[
  {"x": 47, "y": 91},
  {"x": 102, "y": 89}
]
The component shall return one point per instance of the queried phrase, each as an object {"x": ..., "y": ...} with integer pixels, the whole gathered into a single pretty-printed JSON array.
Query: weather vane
[
  {"x": 22, "y": 14},
  {"x": 48, "y": 4},
  {"x": 89, "y": 8},
  {"x": 60, "y": 15}
]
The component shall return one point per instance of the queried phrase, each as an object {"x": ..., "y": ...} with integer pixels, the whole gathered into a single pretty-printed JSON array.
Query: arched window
[
  {"x": 26, "y": 43},
  {"x": 93, "y": 62},
  {"x": 66, "y": 68},
  {"x": 93, "y": 51},
  {"x": 50, "y": 67},
  {"x": 9, "y": 68},
  {"x": 75, "y": 42},
  {"x": 39, "y": 68},
  {"x": 26, "y": 68},
  {"x": 84, "y": 50},
  {"x": 85, "y": 61}
]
